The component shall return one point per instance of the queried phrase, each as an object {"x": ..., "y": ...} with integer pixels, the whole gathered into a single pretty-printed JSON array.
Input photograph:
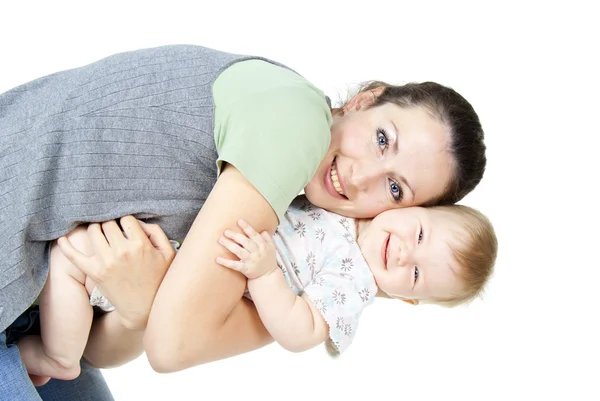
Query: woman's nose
[{"x": 365, "y": 175}]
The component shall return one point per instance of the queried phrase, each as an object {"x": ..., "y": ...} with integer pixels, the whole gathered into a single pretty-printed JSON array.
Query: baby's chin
[{"x": 383, "y": 294}]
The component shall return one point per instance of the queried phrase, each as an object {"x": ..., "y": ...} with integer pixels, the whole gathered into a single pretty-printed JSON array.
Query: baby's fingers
[
  {"x": 234, "y": 248},
  {"x": 232, "y": 264},
  {"x": 251, "y": 232},
  {"x": 267, "y": 238},
  {"x": 241, "y": 239}
]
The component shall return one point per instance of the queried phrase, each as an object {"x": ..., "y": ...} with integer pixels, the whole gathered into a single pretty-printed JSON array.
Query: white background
[{"x": 530, "y": 71}]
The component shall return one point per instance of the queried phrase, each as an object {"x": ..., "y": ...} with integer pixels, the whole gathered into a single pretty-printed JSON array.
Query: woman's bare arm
[{"x": 198, "y": 314}]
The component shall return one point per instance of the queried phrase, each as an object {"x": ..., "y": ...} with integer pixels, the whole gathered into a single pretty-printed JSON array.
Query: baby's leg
[{"x": 65, "y": 317}]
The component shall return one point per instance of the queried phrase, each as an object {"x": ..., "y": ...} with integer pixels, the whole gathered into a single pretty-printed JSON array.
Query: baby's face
[{"x": 409, "y": 254}]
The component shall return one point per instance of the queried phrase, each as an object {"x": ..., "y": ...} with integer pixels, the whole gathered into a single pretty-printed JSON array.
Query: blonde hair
[{"x": 474, "y": 250}]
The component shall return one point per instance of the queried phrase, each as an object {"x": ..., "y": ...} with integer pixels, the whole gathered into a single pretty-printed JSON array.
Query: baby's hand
[{"x": 256, "y": 252}]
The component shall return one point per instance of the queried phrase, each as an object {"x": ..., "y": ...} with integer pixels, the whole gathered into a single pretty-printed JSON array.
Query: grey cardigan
[{"x": 129, "y": 134}]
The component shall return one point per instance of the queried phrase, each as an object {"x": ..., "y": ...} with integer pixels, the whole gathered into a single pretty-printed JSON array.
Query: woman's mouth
[
  {"x": 384, "y": 250},
  {"x": 333, "y": 182}
]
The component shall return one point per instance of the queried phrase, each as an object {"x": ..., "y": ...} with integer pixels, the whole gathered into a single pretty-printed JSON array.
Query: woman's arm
[{"x": 198, "y": 314}]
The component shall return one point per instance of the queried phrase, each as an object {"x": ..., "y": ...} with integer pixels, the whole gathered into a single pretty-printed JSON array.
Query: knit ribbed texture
[{"x": 129, "y": 134}]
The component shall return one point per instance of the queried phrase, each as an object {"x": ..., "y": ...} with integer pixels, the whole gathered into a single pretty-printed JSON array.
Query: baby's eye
[
  {"x": 420, "y": 236},
  {"x": 416, "y": 273}
]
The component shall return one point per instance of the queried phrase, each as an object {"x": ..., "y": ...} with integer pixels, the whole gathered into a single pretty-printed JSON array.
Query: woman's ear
[
  {"x": 364, "y": 99},
  {"x": 337, "y": 112}
]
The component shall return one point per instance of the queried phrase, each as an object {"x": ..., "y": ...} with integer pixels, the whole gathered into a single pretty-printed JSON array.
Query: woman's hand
[{"x": 127, "y": 266}]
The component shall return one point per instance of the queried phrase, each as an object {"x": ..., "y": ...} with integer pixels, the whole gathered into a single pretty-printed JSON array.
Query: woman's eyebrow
[
  {"x": 395, "y": 151},
  {"x": 395, "y": 135},
  {"x": 412, "y": 192}
]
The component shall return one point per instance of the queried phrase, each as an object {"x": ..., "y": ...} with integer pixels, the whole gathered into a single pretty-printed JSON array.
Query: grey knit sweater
[{"x": 128, "y": 134}]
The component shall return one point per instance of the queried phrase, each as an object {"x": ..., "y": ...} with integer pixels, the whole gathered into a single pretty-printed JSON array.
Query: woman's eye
[
  {"x": 382, "y": 139},
  {"x": 396, "y": 191},
  {"x": 420, "y": 236},
  {"x": 416, "y": 273}
]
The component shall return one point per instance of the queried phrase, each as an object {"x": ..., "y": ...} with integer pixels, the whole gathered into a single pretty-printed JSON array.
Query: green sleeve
[{"x": 273, "y": 126}]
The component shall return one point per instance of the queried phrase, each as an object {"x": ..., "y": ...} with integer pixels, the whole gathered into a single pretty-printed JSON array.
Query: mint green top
[{"x": 273, "y": 126}]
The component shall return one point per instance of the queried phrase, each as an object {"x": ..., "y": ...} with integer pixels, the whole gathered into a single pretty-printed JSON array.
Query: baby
[
  {"x": 311, "y": 281},
  {"x": 334, "y": 266}
]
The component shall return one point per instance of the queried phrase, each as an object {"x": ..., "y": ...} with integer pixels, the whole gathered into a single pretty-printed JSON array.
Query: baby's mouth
[{"x": 385, "y": 251}]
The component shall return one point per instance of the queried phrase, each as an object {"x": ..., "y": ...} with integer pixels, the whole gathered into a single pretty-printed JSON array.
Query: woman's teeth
[{"x": 336, "y": 181}]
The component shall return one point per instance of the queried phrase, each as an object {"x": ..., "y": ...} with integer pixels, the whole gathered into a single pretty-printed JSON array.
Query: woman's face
[{"x": 381, "y": 158}]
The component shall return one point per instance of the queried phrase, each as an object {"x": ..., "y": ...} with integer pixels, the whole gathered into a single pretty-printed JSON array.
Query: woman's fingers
[
  {"x": 157, "y": 238},
  {"x": 98, "y": 240},
  {"x": 131, "y": 227},
  {"x": 155, "y": 234},
  {"x": 129, "y": 272},
  {"x": 113, "y": 233}
]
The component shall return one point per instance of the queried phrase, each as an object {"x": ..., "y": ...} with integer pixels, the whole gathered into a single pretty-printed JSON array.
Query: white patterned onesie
[{"x": 319, "y": 256}]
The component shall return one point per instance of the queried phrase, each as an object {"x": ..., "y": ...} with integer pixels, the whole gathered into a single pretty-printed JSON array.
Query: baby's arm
[{"x": 293, "y": 321}]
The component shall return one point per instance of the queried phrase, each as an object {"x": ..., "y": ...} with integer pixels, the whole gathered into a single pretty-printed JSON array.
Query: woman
[{"x": 194, "y": 139}]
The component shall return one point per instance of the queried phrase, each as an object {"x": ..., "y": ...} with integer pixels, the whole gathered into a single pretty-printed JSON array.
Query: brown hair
[
  {"x": 474, "y": 250},
  {"x": 456, "y": 113}
]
